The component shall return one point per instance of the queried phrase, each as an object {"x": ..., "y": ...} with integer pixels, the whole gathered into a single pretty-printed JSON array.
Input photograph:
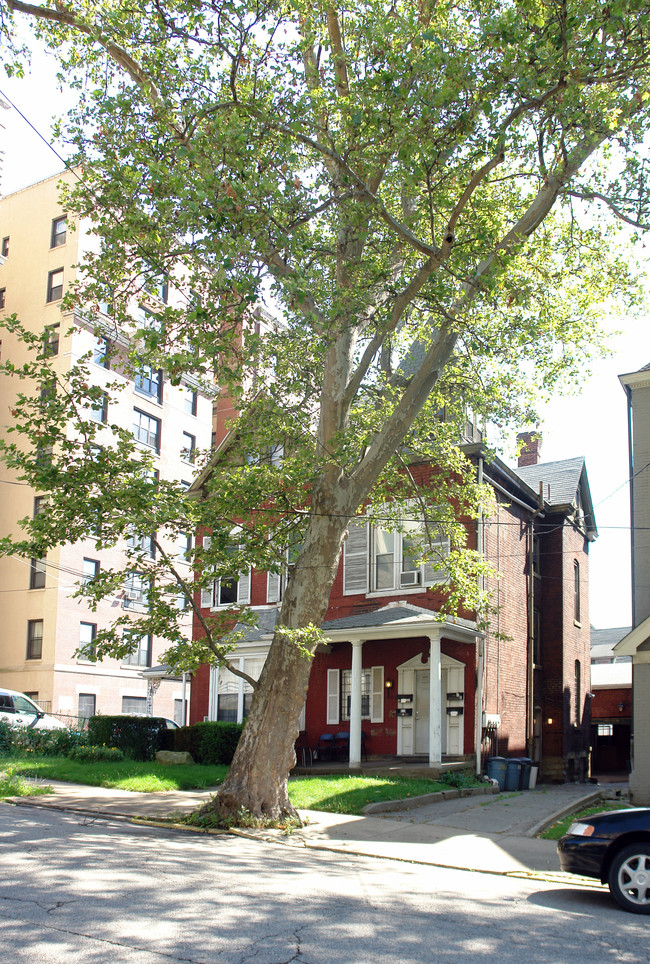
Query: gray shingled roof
[
  {"x": 604, "y": 640},
  {"x": 266, "y": 620},
  {"x": 379, "y": 617},
  {"x": 560, "y": 479}
]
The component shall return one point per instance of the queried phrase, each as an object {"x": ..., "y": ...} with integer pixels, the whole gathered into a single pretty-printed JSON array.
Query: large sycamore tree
[{"x": 425, "y": 193}]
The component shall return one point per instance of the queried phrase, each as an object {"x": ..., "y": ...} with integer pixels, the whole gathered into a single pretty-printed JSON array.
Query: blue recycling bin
[
  {"x": 513, "y": 772},
  {"x": 496, "y": 769}
]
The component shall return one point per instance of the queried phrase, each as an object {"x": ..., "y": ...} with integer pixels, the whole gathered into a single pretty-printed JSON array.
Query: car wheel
[{"x": 629, "y": 878}]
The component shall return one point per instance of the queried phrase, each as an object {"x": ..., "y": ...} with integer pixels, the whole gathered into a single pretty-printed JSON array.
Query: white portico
[{"x": 430, "y": 695}]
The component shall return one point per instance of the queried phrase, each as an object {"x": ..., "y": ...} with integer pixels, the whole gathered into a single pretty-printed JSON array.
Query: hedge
[
  {"x": 209, "y": 742},
  {"x": 138, "y": 737}
]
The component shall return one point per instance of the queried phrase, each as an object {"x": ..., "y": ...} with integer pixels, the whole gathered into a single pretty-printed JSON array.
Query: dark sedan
[{"x": 614, "y": 847}]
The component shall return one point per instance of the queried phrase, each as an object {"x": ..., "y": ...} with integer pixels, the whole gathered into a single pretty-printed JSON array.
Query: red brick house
[{"x": 401, "y": 681}]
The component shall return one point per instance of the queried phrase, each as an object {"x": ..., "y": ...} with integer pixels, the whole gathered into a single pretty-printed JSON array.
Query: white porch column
[
  {"x": 355, "y": 705},
  {"x": 435, "y": 683}
]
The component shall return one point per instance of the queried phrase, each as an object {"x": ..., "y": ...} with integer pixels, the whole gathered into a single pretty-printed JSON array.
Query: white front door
[{"x": 421, "y": 711}]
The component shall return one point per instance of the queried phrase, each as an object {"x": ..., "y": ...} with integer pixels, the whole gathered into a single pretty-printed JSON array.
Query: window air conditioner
[
  {"x": 411, "y": 578},
  {"x": 132, "y": 594}
]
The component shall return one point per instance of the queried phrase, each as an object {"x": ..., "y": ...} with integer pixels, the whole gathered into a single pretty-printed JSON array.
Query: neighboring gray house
[{"x": 637, "y": 643}]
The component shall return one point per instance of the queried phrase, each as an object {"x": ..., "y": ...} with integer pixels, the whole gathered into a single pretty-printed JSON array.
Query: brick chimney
[{"x": 531, "y": 448}]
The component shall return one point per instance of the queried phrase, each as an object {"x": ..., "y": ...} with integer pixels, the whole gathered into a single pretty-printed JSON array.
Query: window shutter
[
  {"x": 303, "y": 715},
  {"x": 377, "y": 695},
  {"x": 333, "y": 701},
  {"x": 207, "y": 594},
  {"x": 244, "y": 587},
  {"x": 434, "y": 571},
  {"x": 273, "y": 587},
  {"x": 207, "y": 597},
  {"x": 355, "y": 558}
]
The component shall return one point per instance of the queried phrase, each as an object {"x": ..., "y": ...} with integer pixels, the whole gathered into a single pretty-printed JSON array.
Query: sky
[{"x": 592, "y": 424}]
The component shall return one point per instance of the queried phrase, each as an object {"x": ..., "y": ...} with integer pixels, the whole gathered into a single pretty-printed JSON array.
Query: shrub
[
  {"x": 6, "y": 733},
  {"x": 45, "y": 742},
  {"x": 138, "y": 737},
  {"x": 95, "y": 754},
  {"x": 209, "y": 742}
]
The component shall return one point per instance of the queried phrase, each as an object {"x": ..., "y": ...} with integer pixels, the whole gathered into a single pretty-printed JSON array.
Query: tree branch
[{"x": 597, "y": 196}]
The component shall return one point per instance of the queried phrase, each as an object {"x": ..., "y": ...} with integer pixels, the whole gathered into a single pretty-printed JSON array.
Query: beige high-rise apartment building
[{"x": 42, "y": 626}]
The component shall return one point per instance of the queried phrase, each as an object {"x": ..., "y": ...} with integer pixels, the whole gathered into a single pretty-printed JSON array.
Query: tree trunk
[{"x": 257, "y": 778}]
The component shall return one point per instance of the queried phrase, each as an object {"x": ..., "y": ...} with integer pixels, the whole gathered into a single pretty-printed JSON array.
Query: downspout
[
  {"x": 630, "y": 457},
  {"x": 480, "y": 641},
  {"x": 530, "y": 708}
]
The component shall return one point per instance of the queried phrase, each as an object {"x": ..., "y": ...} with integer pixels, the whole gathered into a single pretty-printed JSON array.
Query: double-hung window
[
  {"x": 135, "y": 591},
  {"x": 189, "y": 401},
  {"x": 380, "y": 560},
  {"x": 87, "y": 633},
  {"x": 101, "y": 352},
  {"x": 188, "y": 448},
  {"x": 146, "y": 429},
  {"x": 55, "y": 285},
  {"x": 59, "y": 232},
  {"x": 34, "y": 639},
  {"x": 339, "y": 695},
  {"x": 37, "y": 570},
  {"x": 226, "y": 590},
  {"x": 89, "y": 569},
  {"x": 141, "y": 542},
  {"x": 148, "y": 382},
  {"x": 99, "y": 409},
  {"x": 51, "y": 344},
  {"x": 140, "y": 654}
]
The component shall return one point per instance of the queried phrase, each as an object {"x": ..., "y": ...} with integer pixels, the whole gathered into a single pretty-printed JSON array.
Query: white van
[{"x": 19, "y": 710}]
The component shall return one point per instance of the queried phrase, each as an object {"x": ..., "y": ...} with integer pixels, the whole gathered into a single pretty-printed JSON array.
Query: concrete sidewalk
[{"x": 494, "y": 833}]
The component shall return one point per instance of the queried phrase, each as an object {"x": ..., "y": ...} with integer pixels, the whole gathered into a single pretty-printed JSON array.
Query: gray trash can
[
  {"x": 496, "y": 769},
  {"x": 524, "y": 776},
  {"x": 513, "y": 771}
]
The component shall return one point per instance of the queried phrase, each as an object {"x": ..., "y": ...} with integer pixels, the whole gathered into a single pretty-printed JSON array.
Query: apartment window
[
  {"x": 395, "y": 555},
  {"x": 234, "y": 694},
  {"x": 226, "y": 590},
  {"x": 134, "y": 705},
  {"x": 141, "y": 543},
  {"x": 140, "y": 654},
  {"x": 51, "y": 342},
  {"x": 5, "y": 247},
  {"x": 102, "y": 352},
  {"x": 89, "y": 570},
  {"x": 55, "y": 285},
  {"x": 34, "y": 639},
  {"x": 59, "y": 231},
  {"x": 87, "y": 633},
  {"x": 40, "y": 502},
  {"x": 148, "y": 381},
  {"x": 3, "y": 292},
  {"x": 190, "y": 401},
  {"x": 37, "y": 574},
  {"x": 87, "y": 706},
  {"x": 99, "y": 410},
  {"x": 188, "y": 450},
  {"x": 135, "y": 591},
  {"x": 576, "y": 591},
  {"x": 156, "y": 284},
  {"x": 346, "y": 694},
  {"x": 146, "y": 429}
]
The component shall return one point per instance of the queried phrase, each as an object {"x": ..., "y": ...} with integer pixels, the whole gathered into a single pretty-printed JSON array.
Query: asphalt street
[{"x": 92, "y": 889}]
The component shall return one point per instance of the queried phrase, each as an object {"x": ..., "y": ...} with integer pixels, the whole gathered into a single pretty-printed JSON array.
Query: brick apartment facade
[{"x": 448, "y": 689}]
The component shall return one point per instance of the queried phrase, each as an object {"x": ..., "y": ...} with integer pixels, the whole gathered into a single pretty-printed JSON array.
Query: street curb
[
  {"x": 410, "y": 803},
  {"x": 573, "y": 807}
]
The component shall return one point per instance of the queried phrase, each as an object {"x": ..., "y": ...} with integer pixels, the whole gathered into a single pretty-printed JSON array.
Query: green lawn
[
  {"x": 350, "y": 794},
  {"x": 122, "y": 774},
  {"x": 13, "y": 785},
  {"x": 559, "y": 829},
  {"x": 338, "y": 794}
]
